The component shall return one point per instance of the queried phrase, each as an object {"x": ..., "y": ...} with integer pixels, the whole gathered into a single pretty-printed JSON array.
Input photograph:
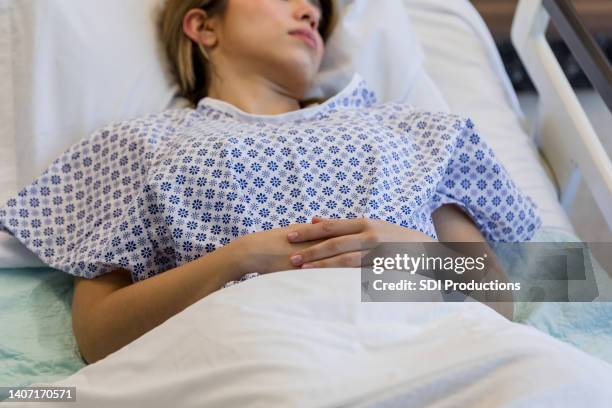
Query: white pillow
[
  {"x": 376, "y": 39},
  {"x": 81, "y": 64},
  {"x": 7, "y": 131},
  {"x": 78, "y": 65}
]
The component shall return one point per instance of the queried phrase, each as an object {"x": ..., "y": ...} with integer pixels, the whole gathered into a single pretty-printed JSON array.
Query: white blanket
[{"x": 303, "y": 338}]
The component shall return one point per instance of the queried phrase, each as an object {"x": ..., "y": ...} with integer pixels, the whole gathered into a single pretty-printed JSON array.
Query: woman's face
[{"x": 276, "y": 38}]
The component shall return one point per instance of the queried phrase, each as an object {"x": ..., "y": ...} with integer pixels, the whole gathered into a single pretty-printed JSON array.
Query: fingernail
[
  {"x": 292, "y": 235},
  {"x": 296, "y": 259},
  {"x": 307, "y": 265}
]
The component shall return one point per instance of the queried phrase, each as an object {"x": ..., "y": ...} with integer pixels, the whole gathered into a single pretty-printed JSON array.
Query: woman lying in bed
[{"x": 153, "y": 214}]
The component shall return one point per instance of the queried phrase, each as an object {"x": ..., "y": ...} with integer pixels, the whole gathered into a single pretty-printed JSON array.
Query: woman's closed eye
[{"x": 316, "y": 3}]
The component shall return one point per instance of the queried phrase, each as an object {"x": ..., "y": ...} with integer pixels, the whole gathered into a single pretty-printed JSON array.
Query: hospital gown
[{"x": 151, "y": 194}]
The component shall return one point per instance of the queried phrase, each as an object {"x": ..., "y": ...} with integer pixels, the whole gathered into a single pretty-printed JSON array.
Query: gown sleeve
[
  {"x": 92, "y": 210},
  {"x": 476, "y": 181}
]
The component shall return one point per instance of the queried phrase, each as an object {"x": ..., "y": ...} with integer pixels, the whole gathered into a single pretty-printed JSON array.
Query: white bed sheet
[
  {"x": 303, "y": 338},
  {"x": 461, "y": 58}
]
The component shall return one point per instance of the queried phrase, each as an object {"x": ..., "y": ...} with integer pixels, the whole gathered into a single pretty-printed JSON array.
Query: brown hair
[{"x": 189, "y": 64}]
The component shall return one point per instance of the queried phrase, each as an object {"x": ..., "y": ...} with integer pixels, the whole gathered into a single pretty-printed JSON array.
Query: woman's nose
[{"x": 306, "y": 11}]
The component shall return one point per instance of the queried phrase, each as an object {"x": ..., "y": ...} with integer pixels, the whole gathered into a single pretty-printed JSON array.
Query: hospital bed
[{"x": 453, "y": 65}]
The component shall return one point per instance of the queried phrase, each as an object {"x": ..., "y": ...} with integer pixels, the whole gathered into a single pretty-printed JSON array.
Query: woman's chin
[{"x": 300, "y": 58}]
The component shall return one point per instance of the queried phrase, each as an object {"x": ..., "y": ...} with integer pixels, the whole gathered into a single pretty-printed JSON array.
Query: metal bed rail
[{"x": 562, "y": 130}]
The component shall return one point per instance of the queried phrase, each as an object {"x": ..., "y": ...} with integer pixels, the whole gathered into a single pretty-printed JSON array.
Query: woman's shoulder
[
  {"x": 169, "y": 119},
  {"x": 145, "y": 130}
]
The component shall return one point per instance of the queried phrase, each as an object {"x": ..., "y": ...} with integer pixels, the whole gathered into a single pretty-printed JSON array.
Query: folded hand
[{"x": 345, "y": 241}]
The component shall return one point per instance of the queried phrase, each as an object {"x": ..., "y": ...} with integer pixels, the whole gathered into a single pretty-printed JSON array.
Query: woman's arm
[
  {"x": 110, "y": 311},
  {"x": 454, "y": 225}
]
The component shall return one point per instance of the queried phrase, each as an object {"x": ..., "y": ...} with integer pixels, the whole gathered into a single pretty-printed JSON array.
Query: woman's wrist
[
  {"x": 235, "y": 255},
  {"x": 225, "y": 264}
]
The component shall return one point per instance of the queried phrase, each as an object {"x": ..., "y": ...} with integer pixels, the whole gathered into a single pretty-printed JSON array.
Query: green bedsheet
[
  {"x": 36, "y": 340},
  {"x": 37, "y": 344}
]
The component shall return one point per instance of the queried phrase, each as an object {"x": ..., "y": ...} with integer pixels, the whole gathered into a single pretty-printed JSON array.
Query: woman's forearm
[
  {"x": 133, "y": 310},
  {"x": 453, "y": 225}
]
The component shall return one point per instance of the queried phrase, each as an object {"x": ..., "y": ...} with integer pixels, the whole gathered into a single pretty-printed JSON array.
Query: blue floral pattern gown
[{"x": 151, "y": 194}]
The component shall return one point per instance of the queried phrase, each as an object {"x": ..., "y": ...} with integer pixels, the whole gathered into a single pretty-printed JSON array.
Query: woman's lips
[{"x": 305, "y": 36}]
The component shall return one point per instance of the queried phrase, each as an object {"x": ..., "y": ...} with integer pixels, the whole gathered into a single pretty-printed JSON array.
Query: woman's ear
[{"x": 200, "y": 28}]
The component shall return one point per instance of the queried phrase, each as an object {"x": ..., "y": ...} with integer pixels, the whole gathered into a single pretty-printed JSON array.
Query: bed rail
[{"x": 562, "y": 129}]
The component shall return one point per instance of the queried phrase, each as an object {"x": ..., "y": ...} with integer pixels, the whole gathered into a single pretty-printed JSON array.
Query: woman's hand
[
  {"x": 345, "y": 241},
  {"x": 266, "y": 251}
]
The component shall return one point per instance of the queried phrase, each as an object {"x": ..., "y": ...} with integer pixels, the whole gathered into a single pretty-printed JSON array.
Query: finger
[
  {"x": 325, "y": 229},
  {"x": 316, "y": 219},
  {"x": 345, "y": 260},
  {"x": 329, "y": 248}
]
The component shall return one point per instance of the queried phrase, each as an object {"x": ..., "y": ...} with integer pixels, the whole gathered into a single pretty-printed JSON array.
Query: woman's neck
[{"x": 252, "y": 93}]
